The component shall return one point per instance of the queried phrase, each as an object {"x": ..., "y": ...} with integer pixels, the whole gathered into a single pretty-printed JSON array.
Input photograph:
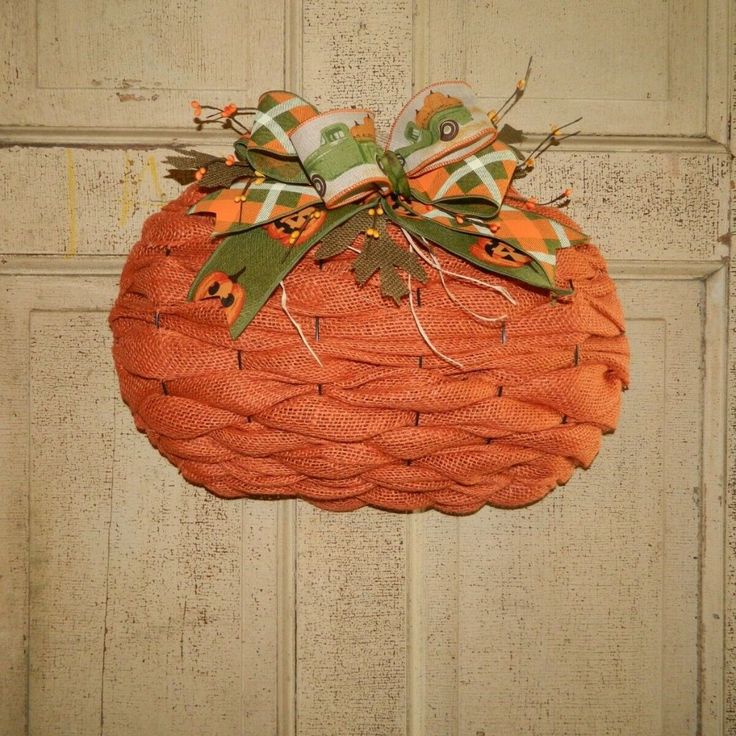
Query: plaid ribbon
[{"x": 443, "y": 176}]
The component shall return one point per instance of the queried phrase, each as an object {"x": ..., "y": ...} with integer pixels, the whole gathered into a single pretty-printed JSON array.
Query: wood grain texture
[
  {"x": 101, "y": 198},
  {"x": 643, "y": 206},
  {"x": 730, "y": 503},
  {"x": 153, "y": 605},
  {"x": 100, "y": 64},
  {"x": 70, "y": 512},
  {"x": 351, "y": 623},
  {"x": 18, "y": 296},
  {"x": 729, "y": 489},
  {"x": 583, "y": 56}
]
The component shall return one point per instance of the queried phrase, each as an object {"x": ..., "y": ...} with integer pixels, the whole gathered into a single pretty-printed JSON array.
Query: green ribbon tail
[
  {"x": 459, "y": 243},
  {"x": 250, "y": 265}
]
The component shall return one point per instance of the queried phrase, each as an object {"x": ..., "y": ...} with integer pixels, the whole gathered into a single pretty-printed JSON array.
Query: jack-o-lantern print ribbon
[{"x": 442, "y": 177}]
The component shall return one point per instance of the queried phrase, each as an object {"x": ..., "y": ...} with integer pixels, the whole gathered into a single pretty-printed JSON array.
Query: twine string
[
  {"x": 431, "y": 259},
  {"x": 423, "y": 332},
  {"x": 297, "y": 326}
]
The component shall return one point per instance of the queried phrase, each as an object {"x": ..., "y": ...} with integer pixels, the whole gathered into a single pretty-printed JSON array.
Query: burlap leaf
[
  {"x": 219, "y": 175},
  {"x": 384, "y": 256},
  {"x": 191, "y": 160},
  {"x": 508, "y": 134},
  {"x": 183, "y": 177},
  {"x": 392, "y": 285},
  {"x": 339, "y": 239}
]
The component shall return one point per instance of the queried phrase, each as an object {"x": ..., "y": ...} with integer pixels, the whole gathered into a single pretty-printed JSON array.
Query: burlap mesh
[{"x": 383, "y": 421}]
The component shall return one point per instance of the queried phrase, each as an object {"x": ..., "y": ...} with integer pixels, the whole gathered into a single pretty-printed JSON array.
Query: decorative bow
[{"x": 442, "y": 177}]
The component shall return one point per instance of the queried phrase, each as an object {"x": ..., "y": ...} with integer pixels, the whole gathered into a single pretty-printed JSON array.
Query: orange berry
[
  {"x": 229, "y": 110},
  {"x": 196, "y": 107},
  {"x": 230, "y": 160},
  {"x": 200, "y": 173}
]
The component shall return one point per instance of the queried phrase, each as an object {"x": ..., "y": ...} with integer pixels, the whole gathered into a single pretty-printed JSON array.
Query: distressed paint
[
  {"x": 574, "y": 616},
  {"x": 152, "y": 605},
  {"x": 351, "y": 623},
  {"x": 71, "y": 181},
  {"x": 580, "y": 68},
  {"x": 358, "y": 58},
  {"x": 134, "y": 64},
  {"x": 110, "y": 193},
  {"x": 730, "y": 497}
]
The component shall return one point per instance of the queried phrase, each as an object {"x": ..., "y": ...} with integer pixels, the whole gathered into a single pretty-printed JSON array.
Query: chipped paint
[
  {"x": 129, "y": 186},
  {"x": 130, "y": 97},
  {"x": 155, "y": 180},
  {"x": 71, "y": 198}
]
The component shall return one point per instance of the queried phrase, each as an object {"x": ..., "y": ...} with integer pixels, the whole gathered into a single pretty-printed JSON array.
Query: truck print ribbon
[{"x": 299, "y": 175}]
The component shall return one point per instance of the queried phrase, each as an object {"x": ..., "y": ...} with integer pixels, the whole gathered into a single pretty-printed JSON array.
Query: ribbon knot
[{"x": 442, "y": 176}]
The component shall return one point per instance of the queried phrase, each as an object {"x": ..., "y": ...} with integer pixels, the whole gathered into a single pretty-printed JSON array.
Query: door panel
[{"x": 585, "y": 621}]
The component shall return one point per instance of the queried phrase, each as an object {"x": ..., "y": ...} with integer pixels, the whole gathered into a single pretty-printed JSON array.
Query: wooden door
[{"x": 132, "y": 603}]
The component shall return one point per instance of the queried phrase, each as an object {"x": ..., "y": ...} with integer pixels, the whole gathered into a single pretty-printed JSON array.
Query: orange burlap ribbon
[{"x": 384, "y": 421}]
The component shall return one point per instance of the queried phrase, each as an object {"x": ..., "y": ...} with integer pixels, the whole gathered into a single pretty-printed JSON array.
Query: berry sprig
[{"x": 227, "y": 116}]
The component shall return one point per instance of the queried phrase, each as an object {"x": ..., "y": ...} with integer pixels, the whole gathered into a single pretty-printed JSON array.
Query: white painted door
[{"x": 132, "y": 603}]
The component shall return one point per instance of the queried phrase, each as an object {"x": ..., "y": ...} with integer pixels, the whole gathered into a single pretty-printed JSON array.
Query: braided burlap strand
[{"x": 383, "y": 422}]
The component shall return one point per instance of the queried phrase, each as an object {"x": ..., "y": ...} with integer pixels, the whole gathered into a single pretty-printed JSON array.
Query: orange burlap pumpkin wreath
[{"x": 381, "y": 419}]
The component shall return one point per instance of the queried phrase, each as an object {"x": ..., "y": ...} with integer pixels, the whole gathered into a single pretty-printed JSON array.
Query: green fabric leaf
[
  {"x": 258, "y": 263},
  {"x": 340, "y": 239},
  {"x": 384, "y": 256},
  {"x": 459, "y": 244}
]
